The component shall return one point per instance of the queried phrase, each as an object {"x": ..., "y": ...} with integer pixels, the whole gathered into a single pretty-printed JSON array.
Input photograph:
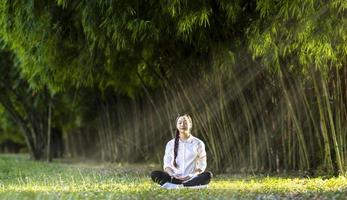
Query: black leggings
[{"x": 163, "y": 177}]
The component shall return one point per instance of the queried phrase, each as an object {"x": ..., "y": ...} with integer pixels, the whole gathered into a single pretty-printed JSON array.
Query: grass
[{"x": 21, "y": 178}]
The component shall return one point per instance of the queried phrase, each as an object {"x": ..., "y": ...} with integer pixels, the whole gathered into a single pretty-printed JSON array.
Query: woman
[{"x": 184, "y": 159}]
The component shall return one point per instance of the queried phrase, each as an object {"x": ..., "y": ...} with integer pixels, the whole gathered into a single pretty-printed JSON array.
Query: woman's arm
[
  {"x": 168, "y": 157},
  {"x": 201, "y": 160}
]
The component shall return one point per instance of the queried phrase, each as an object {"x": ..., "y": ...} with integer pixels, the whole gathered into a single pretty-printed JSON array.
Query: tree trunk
[
  {"x": 49, "y": 133},
  {"x": 33, "y": 128}
]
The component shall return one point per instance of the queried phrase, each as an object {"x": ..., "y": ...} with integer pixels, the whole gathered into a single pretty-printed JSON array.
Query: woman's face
[{"x": 183, "y": 124}]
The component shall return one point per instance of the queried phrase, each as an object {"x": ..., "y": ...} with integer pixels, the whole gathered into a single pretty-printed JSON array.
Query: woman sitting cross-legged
[{"x": 184, "y": 160}]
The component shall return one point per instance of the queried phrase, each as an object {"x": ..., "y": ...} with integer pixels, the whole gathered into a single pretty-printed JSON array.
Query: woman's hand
[
  {"x": 183, "y": 178},
  {"x": 198, "y": 171}
]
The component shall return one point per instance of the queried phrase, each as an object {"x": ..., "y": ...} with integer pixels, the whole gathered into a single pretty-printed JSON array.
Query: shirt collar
[{"x": 188, "y": 140}]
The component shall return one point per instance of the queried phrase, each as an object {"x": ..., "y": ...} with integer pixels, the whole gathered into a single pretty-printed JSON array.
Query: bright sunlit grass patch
[{"x": 21, "y": 178}]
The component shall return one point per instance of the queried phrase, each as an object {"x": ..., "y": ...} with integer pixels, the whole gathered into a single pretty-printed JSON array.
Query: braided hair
[{"x": 177, "y": 137}]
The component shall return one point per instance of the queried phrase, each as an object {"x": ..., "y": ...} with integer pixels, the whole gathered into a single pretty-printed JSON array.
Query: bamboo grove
[{"x": 265, "y": 81}]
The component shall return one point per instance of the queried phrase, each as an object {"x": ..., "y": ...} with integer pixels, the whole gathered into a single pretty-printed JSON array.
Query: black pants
[{"x": 163, "y": 177}]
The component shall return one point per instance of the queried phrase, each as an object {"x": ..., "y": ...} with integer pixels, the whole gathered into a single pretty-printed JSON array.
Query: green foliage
[
  {"x": 73, "y": 45},
  {"x": 305, "y": 34},
  {"x": 124, "y": 45},
  {"x": 112, "y": 44},
  {"x": 25, "y": 110},
  {"x": 120, "y": 47}
]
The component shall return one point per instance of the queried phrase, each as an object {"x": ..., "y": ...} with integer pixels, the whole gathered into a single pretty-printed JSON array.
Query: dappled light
[
  {"x": 214, "y": 99},
  {"x": 42, "y": 180}
]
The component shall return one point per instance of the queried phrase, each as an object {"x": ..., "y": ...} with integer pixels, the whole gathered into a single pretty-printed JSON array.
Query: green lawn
[{"x": 21, "y": 178}]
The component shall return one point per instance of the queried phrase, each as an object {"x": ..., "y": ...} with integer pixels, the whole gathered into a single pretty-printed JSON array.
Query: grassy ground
[{"x": 21, "y": 178}]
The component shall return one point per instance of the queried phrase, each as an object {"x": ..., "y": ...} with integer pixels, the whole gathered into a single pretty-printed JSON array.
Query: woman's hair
[{"x": 177, "y": 136}]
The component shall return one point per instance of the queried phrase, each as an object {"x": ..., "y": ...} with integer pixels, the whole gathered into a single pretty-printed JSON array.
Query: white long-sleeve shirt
[{"x": 191, "y": 156}]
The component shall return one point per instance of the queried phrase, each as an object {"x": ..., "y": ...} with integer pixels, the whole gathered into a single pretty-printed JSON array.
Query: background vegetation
[{"x": 265, "y": 81}]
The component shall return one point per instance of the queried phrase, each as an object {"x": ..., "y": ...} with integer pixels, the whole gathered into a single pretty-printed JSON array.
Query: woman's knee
[
  {"x": 155, "y": 174},
  {"x": 208, "y": 174}
]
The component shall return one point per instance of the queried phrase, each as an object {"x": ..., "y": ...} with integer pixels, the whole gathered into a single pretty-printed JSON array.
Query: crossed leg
[{"x": 161, "y": 177}]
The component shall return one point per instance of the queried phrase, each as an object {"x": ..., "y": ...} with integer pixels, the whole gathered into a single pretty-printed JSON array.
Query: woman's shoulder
[
  {"x": 197, "y": 140},
  {"x": 170, "y": 142}
]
